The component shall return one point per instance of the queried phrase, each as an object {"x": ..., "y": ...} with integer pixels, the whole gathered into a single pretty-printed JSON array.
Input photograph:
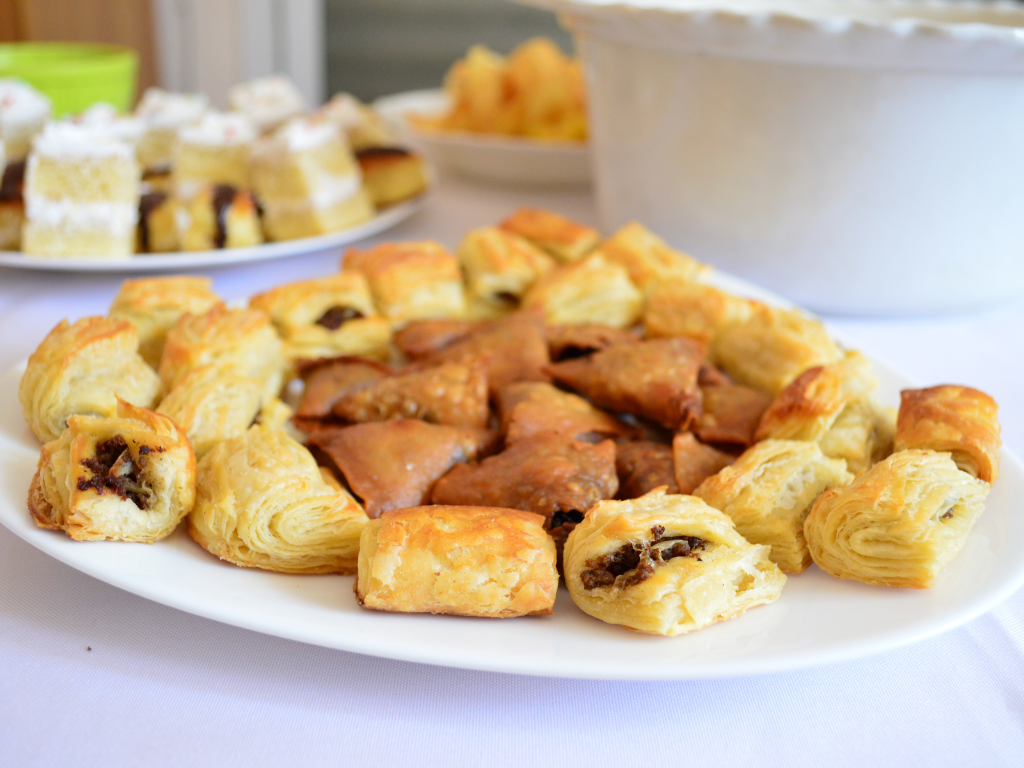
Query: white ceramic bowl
[
  {"x": 856, "y": 156},
  {"x": 508, "y": 159}
]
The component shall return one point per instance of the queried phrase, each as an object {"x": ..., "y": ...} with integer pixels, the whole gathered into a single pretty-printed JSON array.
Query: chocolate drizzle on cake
[
  {"x": 114, "y": 471},
  {"x": 223, "y": 197},
  {"x": 13, "y": 181},
  {"x": 635, "y": 561},
  {"x": 375, "y": 153},
  {"x": 335, "y": 317},
  {"x": 148, "y": 203}
]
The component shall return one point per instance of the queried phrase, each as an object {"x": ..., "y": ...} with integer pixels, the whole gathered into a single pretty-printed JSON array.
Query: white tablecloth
[{"x": 92, "y": 676}]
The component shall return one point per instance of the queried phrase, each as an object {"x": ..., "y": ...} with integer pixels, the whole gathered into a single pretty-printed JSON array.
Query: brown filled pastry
[
  {"x": 593, "y": 290},
  {"x": 262, "y": 502},
  {"x": 499, "y": 266},
  {"x": 694, "y": 310},
  {"x": 665, "y": 565},
  {"x": 527, "y": 409},
  {"x": 423, "y": 337},
  {"x": 126, "y": 477},
  {"x": 695, "y": 462},
  {"x": 729, "y": 412},
  {"x": 452, "y": 393},
  {"x": 961, "y": 420},
  {"x": 567, "y": 342},
  {"x": 899, "y": 523},
  {"x": 468, "y": 561},
  {"x": 82, "y": 369},
  {"x": 411, "y": 281},
  {"x": 768, "y": 492},
  {"x": 648, "y": 259},
  {"x": 643, "y": 466},
  {"x": 655, "y": 379},
  {"x": 394, "y": 464},
  {"x": 328, "y": 380},
  {"x": 555, "y": 234}
]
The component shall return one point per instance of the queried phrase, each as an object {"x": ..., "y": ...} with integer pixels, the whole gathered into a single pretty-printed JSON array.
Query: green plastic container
[{"x": 74, "y": 75}]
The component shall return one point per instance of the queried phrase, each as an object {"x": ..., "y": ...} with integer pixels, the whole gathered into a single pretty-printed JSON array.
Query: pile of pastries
[
  {"x": 177, "y": 175},
  {"x": 461, "y": 430},
  {"x": 536, "y": 92}
]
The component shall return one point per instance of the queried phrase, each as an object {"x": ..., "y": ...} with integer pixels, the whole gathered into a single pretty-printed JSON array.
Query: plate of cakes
[
  {"x": 516, "y": 119},
  {"x": 644, "y": 468},
  {"x": 177, "y": 185}
]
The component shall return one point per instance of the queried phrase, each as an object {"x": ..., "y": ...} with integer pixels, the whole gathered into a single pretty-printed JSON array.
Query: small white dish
[
  {"x": 818, "y": 620},
  {"x": 169, "y": 262},
  {"x": 509, "y": 159}
]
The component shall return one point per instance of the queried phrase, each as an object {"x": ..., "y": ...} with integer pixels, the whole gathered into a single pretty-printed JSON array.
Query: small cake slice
[
  {"x": 220, "y": 216},
  {"x": 269, "y": 102},
  {"x": 214, "y": 150},
  {"x": 308, "y": 182},
  {"x": 81, "y": 194},
  {"x": 363, "y": 125},
  {"x": 163, "y": 114},
  {"x": 23, "y": 111},
  {"x": 158, "y": 223},
  {"x": 392, "y": 173}
]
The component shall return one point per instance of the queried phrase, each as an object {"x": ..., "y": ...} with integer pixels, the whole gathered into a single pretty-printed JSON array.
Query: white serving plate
[
  {"x": 492, "y": 158},
  {"x": 164, "y": 262},
  {"x": 818, "y": 619}
]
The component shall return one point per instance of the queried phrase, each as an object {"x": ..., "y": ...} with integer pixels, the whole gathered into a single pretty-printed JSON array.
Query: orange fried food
[
  {"x": 655, "y": 379},
  {"x": 696, "y": 462},
  {"x": 729, "y": 412},
  {"x": 643, "y": 466},
  {"x": 424, "y": 337},
  {"x": 452, "y": 393},
  {"x": 394, "y": 464},
  {"x": 330, "y": 379},
  {"x": 534, "y": 408},
  {"x": 567, "y": 342}
]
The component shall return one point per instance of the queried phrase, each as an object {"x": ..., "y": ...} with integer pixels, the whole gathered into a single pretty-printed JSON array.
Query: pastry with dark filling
[
  {"x": 528, "y": 409},
  {"x": 655, "y": 380},
  {"x": 127, "y": 477},
  {"x": 499, "y": 267},
  {"x": 665, "y": 564},
  {"x": 643, "y": 466},
  {"x": 469, "y": 561},
  {"x": 220, "y": 216}
]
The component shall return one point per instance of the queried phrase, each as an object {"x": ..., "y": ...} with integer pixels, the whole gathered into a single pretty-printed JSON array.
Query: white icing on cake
[
  {"x": 21, "y": 106},
  {"x": 267, "y": 101},
  {"x": 302, "y": 134},
  {"x": 104, "y": 118},
  {"x": 163, "y": 109},
  {"x": 219, "y": 129},
  {"x": 74, "y": 216},
  {"x": 73, "y": 140}
]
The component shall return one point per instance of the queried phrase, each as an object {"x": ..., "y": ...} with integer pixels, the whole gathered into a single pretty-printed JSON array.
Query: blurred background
[{"x": 367, "y": 47}]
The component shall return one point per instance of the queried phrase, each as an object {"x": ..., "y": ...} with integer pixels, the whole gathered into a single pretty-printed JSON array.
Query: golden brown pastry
[
  {"x": 213, "y": 405},
  {"x": 328, "y": 380},
  {"x": 567, "y": 342},
  {"x": 411, "y": 281},
  {"x": 219, "y": 216},
  {"x": 327, "y": 317},
  {"x": 654, "y": 379},
  {"x": 499, "y": 266},
  {"x": 527, "y": 409},
  {"x": 665, "y": 565},
  {"x": 643, "y": 466},
  {"x": 423, "y": 337},
  {"x": 899, "y": 523},
  {"x": 695, "y": 462},
  {"x": 394, "y": 464},
  {"x": 561, "y": 237},
  {"x": 154, "y": 304},
  {"x": 126, "y": 477},
  {"x": 468, "y": 561},
  {"x": 773, "y": 347},
  {"x": 683, "y": 308},
  {"x": 453, "y": 394},
  {"x": 768, "y": 492},
  {"x": 961, "y": 420},
  {"x": 81, "y": 369},
  {"x": 648, "y": 259},
  {"x": 592, "y": 290},
  {"x": 239, "y": 341},
  {"x": 263, "y": 503},
  {"x": 729, "y": 412}
]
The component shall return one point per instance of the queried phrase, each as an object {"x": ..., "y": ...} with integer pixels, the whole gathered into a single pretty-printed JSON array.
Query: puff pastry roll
[
  {"x": 527, "y": 409},
  {"x": 694, "y": 310},
  {"x": 327, "y": 317},
  {"x": 238, "y": 341},
  {"x": 499, "y": 266},
  {"x": 411, "y": 281},
  {"x": 899, "y": 523},
  {"x": 212, "y": 406},
  {"x": 648, "y": 259},
  {"x": 468, "y": 561},
  {"x": 730, "y": 413},
  {"x": 453, "y": 394},
  {"x": 773, "y": 347},
  {"x": 127, "y": 477},
  {"x": 567, "y": 342},
  {"x": 82, "y": 369},
  {"x": 654, "y": 379},
  {"x": 555, "y": 234},
  {"x": 643, "y": 466},
  {"x": 154, "y": 304},
  {"x": 513, "y": 349},
  {"x": 394, "y": 464},
  {"x": 665, "y": 564},
  {"x": 695, "y": 462},
  {"x": 961, "y": 420},
  {"x": 329, "y": 380},
  {"x": 593, "y": 290},
  {"x": 263, "y": 503},
  {"x": 768, "y": 492},
  {"x": 423, "y": 337}
]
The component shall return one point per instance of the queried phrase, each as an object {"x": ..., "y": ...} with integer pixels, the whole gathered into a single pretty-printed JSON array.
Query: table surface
[{"x": 92, "y": 676}]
